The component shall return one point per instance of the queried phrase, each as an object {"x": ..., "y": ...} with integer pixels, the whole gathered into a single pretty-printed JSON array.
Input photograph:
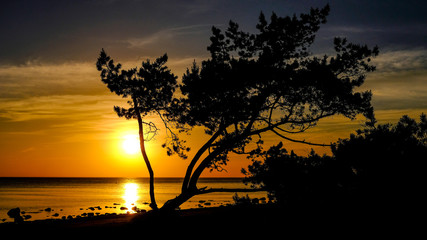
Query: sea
[{"x": 60, "y": 198}]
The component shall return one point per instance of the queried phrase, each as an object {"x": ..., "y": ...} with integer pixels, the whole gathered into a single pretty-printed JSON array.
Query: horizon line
[{"x": 119, "y": 177}]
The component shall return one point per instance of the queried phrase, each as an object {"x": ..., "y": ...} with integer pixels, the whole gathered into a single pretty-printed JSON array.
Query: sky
[{"x": 57, "y": 118}]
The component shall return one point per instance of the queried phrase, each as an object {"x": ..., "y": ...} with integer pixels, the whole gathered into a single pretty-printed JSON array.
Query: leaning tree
[
  {"x": 267, "y": 82},
  {"x": 149, "y": 90},
  {"x": 253, "y": 84}
]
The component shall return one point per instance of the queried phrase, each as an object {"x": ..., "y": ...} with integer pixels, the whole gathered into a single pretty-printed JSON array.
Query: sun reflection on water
[{"x": 131, "y": 196}]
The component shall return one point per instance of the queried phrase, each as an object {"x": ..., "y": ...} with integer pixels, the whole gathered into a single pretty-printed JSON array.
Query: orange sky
[
  {"x": 81, "y": 136},
  {"x": 57, "y": 118}
]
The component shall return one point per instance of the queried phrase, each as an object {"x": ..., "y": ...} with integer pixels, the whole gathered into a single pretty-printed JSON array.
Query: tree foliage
[
  {"x": 150, "y": 90},
  {"x": 152, "y": 86},
  {"x": 389, "y": 160},
  {"x": 254, "y": 83},
  {"x": 269, "y": 81},
  {"x": 298, "y": 181}
]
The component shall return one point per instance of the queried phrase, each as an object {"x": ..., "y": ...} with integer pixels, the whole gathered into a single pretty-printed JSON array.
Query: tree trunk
[
  {"x": 189, "y": 186},
  {"x": 197, "y": 157},
  {"x": 190, "y": 190},
  {"x": 153, "y": 203},
  {"x": 174, "y": 203}
]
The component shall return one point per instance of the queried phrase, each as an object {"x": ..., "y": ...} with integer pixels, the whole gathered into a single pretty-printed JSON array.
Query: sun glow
[
  {"x": 131, "y": 144},
  {"x": 131, "y": 196}
]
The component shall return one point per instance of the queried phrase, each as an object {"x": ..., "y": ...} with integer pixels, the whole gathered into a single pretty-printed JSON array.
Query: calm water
[{"x": 80, "y": 196}]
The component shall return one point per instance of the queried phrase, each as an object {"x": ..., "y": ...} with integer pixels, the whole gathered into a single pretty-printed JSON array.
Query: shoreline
[
  {"x": 94, "y": 212},
  {"x": 74, "y": 219},
  {"x": 243, "y": 221},
  {"x": 231, "y": 217},
  {"x": 45, "y": 198}
]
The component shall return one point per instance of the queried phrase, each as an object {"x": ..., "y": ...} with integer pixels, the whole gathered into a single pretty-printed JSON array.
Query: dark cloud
[
  {"x": 76, "y": 30},
  {"x": 49, "y": 47}
]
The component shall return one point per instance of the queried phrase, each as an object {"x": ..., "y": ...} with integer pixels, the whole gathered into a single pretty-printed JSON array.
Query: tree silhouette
[
  {"x": 389, "y": 162},
  {"x": 150, "y": 90},
  {"x": 266, "y": 82},
  {"x": 379, "y": 171},
  {"x": 296, "y": 181}
]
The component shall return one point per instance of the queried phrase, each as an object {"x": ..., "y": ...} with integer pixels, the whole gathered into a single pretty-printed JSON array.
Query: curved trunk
[
  {"x": 196, "y": 158},
  {"x": 190, "y": 190},
  {"x": 153, "y": 203},
  {"x": 189, "y": 186},
  {"x": 174, "y": 203}
]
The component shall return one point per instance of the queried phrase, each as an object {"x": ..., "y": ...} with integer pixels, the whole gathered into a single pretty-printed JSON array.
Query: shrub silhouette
[
  {"x": 389, "y": 162},
  {"x": 297, "y": 181},
  {"x": 380, "y": 169}
]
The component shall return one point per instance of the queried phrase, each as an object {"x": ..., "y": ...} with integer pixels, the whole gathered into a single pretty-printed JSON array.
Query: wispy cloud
[
  {"x": 400, "y": 80},
  {"x": 38, "y": 98},
  {"x": 57, "y": 102},
  {"x": 401, "y": 60},
  {"x": 70, "y": 107},
  {"x": 399, "y": 90},
  {"x": 40, "y": 79},
  {"x": 168, "y": 34},
  {"x": 351, "y": 29}
]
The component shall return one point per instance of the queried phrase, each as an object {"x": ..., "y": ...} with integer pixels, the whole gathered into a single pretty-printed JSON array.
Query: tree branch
[
  {"x": 300, "y": 141},
  {"x": 303, "y": 129},
  {"x": 286, "y": 120},
  {"x": 211, "y": 190},
  {"x": 168, "y": 129}
]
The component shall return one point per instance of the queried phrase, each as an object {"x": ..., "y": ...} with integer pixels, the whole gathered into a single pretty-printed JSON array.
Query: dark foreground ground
[{"x": 251, "y": 222}]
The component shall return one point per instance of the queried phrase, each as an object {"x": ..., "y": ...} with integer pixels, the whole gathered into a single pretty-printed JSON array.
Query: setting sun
[{"x": 131, "y": 144}]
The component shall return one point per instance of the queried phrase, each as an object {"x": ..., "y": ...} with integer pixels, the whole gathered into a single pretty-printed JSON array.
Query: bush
[
  {"x": 379, "y": 168},
  {"x": 296, "y": 180},
  {"x": 388, "y": 160}
]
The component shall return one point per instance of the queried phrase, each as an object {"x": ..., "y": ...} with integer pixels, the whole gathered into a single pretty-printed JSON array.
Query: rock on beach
[{"x": 15, "y": 213}]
